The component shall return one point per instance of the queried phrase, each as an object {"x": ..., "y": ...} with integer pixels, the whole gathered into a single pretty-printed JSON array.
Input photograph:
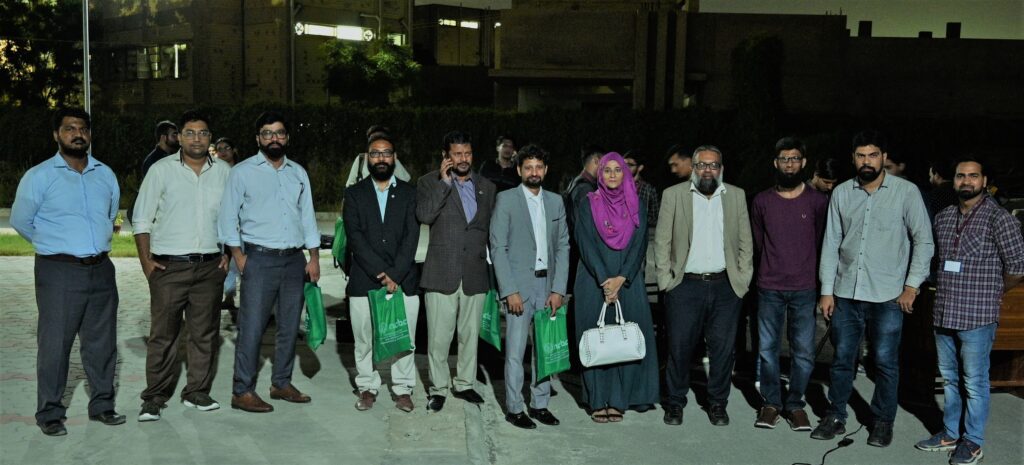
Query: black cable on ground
[{"x": 846, "y": 441}]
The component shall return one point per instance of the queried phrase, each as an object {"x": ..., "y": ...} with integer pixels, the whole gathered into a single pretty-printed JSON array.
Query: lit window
[
  {"x": 470, "y": 24},
  {"x": 397, "y": 39},
  {"x": 160, "y": 62},
  {"x": 355, "y": 33},
  {"x": 447, "y": 22}
]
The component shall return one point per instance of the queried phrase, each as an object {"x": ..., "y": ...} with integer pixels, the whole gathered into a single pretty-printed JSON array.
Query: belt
[
  {"x": 250, "y": 248},
  {"x": 189, "y": 258},
  {"x": 91, "y": 260},
  {"x": 706, "y": 276},
  {"x": 540, "y": 273}
]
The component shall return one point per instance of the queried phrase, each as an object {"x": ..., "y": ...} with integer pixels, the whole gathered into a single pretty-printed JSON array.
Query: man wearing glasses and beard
[{"x": 267, "y": 219}]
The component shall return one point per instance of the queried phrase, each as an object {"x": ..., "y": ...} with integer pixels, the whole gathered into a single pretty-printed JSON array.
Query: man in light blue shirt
[
  {"x": 65, "y": 206},
  {"x": 266, "y": 219},
  {"x": 876, "y": 252}
]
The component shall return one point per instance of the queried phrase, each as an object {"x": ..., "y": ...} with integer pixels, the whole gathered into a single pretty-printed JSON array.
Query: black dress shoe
[
  {"x": 881, "y": 435},
  {"x": 543, "y": 415},
  {"x": 468, "y": 395},
  {"x": 673, "y": 414},
  {"x": 53, "y": 428},
  {"x": 435, "y": 403},
  {"x": 717, "y": 415},
  {"x": 520, "y": 420},
  {"x": 109, "y": 418}
]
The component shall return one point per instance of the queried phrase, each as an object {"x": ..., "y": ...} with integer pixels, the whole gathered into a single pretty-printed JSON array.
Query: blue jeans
[
  {"x": 968, "y": 351},
  {"x": 774, "y": 308},
  {"x": 884, "y": 324}
]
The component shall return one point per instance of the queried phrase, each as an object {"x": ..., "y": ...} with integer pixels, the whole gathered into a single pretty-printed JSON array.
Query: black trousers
[
  {"x": 694, "y": 309},
  {"x": 75, "y": 300}
]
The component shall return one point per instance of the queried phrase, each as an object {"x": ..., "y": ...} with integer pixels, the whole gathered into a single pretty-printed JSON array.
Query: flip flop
[
  {"x": 614, "y": 416},
  {"x": 599, "y": 416}
]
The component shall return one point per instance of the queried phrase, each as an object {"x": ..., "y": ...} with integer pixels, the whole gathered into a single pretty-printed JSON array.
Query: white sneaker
[{"x": 201, "y": 402}]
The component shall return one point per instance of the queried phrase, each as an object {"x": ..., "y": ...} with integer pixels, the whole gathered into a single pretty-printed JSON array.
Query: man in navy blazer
[
  {"x": 380, "y": 224},
  {"x": 530, "y": 251}
]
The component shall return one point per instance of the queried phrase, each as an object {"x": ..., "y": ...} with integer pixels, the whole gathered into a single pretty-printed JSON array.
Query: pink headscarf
[{"x": 616, "y": 212}]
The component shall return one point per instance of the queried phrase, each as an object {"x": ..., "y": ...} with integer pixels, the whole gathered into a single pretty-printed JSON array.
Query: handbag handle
[{"x": 619, "y": 319}]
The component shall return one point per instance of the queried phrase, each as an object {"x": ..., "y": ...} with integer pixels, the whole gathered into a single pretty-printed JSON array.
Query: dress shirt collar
[
  {"x": 265, "y": 160},
  {"x": 529, "y": 194},
  {"x": 209, "y": 160},
  {"x": 391, "y": 183},
  {"x": 886, "y": 182},
  {"x": 90, "y": 164},
  {"x": 718, "y": 190}
]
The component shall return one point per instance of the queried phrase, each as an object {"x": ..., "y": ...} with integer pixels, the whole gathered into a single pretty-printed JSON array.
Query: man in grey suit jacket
[
  {"x": 530, "y": 250},
  {"x": 457, "y": 204},
  {"x": 703, "y": 256}
]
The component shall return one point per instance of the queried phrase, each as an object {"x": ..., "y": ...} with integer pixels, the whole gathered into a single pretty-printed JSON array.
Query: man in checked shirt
[{"x": 981, "y": 256}]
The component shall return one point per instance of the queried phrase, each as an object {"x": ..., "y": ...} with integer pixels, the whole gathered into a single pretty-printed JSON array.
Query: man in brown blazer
[
  {"x": 456, "y": 203},
  {"x": 704, "y": 261}
]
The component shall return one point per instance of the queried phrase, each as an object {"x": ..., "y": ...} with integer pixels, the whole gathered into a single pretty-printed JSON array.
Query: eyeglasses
[
  {"x": 224, "y": 148},
  {"x": 786, "y": 160},
  {"x": 386, "y": 154},
  {"x": 707, "y": 166},
  {"x": 268, "y": 134},
  {"x": 190, "y": 134}
]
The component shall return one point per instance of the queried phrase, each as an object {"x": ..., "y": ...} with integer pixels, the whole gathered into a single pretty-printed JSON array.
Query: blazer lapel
[
  {"x": 478, "y": 192},
  {"x": 687, "y": 206},
  {"x": 525, "y": 208},
  {"x": 390, "y": 206},
  {"x": 458, "y": 201}
]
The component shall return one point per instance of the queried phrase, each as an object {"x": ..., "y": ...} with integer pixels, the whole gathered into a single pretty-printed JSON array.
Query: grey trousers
[
  {"x": 518, "y": 329},
  {"x": 75, "y": 300},
  {"x": 445, "y": 314},
  {"x": 268, "y": 279}
]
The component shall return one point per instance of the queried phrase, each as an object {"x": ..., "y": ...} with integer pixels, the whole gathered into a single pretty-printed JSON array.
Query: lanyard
[{"x": 963, "y": 226}]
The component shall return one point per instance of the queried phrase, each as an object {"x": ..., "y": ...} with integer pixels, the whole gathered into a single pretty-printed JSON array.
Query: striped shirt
[{"x": 990, "y": 245}]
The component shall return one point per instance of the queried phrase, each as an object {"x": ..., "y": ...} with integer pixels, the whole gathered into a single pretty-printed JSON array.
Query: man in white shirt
[
  {"x": 529, "y": 241},
  {"x": 176, "y": 235},
  {"x": 704, "y": 261}
]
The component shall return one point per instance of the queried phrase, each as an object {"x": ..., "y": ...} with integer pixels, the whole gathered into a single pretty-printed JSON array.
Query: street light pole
[{"x": 86, "y": 80}]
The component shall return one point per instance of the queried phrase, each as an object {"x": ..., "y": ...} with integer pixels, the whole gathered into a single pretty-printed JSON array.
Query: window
[{"x": 159, "y": 62}]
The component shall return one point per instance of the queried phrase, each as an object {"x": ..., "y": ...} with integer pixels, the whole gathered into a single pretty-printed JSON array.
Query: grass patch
[{"x": 12, "y": 245}]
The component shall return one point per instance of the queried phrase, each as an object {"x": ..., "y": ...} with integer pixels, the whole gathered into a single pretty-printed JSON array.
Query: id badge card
[{"x": 952, "y": 266}]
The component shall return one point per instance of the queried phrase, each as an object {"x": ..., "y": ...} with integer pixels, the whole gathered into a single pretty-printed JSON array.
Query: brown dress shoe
[
  {"x": 366, "y": 400},
  {"x": 404, "y": 403},
  {"x": 288, "y": 394},
  {"x": 250, "y": 402}
]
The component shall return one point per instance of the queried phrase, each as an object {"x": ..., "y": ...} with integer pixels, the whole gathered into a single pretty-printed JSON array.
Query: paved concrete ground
[{"x": 330, "y": 430}]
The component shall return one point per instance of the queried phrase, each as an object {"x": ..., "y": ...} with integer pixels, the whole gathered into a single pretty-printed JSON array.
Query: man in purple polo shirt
[
  {"x": 788, "y": 222},
  {"x": 980, "y": 257}
]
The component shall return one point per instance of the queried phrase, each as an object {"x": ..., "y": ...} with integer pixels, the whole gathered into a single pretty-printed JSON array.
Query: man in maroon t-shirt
[{"x": 788, "y": 222}]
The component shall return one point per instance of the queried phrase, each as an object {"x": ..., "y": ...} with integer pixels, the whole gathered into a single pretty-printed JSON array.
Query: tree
[
  {"x": 374, "y": 72},
  {"x": 40, "y": 52}
]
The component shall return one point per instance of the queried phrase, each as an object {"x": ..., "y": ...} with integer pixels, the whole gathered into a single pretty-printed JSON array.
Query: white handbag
[{"x": 608, "y": 344}]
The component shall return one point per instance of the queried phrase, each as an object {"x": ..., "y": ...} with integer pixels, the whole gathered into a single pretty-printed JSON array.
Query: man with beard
[
  {"x": 502, "y": 169},
  {"x": 981, "y": 256},
  {"x": 786, "y": 220},
  {"x": 457, "y": 204},
  {"x": 876, "y": 253},
  {"x": 680, "y": 163},
  {"x": 530, "y": 247},
  {"x": 380, "y": 224},
  {"x": 266, "y": 219},
  {"x": 704, "y": 261},
  {"x": 176, "y": 235},
  {"x": 65, "y": 206}
]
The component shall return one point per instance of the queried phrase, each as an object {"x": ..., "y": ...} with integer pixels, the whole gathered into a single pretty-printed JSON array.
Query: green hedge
[{"x": 325, "y": 139}]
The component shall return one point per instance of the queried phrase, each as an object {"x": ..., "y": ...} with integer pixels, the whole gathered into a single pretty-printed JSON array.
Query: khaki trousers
[
  {"x": 447, "y": 313},
  {"x": 403, "y": 370}
]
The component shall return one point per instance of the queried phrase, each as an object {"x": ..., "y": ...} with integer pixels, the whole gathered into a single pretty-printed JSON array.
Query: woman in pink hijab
[{"x": 611, "y": 235}]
